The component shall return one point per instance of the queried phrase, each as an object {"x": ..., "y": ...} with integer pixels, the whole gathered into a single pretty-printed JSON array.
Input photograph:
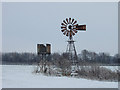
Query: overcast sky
[{"x": 26, "y": 24}]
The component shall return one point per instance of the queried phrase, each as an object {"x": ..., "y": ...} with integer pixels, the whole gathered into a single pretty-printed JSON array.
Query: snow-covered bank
[{"x": 21, "y": 76}]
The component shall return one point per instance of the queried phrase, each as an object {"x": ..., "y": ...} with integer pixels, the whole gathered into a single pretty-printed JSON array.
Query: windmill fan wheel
[{"x": 68, "y": 27}]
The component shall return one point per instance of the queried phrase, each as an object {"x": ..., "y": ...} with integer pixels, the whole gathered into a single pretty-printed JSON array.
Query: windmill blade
[
  {"x": 63, "y": 27},
  {"x": 67, "y": 34},
  {"x": 69, "y": 20},
  {"x": 74, "y": 22},
  {"x": 64, "y": 22},
  {"x": 75, "y": 31},
  {"x": 76, "y": 25},
  {"x": 72, "y": 33},
  {"x": 63, "y": 30}
]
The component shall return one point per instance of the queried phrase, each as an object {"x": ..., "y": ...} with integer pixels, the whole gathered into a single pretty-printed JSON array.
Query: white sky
[{"x": 26, "y": 24}]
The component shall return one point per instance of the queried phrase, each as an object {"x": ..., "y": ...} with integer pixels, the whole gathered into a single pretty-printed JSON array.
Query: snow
[
  {"x": 112, "y": 68},
  {"x": 21, "y": 76}
]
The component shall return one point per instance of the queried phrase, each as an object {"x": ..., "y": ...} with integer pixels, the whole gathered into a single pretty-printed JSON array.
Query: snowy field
[{"x": 21, "y": 76}]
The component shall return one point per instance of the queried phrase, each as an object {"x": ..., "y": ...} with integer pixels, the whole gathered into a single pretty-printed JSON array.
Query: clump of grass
[{"x": 98, "y": 73}]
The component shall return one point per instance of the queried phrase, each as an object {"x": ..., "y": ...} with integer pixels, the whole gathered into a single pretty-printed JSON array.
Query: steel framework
[{"x": 71, "y": 51}]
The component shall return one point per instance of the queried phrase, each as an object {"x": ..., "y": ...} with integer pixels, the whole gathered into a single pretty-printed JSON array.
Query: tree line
[{"x": 84, "y": 57}]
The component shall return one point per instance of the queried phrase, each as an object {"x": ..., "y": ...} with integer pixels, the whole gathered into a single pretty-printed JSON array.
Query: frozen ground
[{"x": 19, "y": 76}]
